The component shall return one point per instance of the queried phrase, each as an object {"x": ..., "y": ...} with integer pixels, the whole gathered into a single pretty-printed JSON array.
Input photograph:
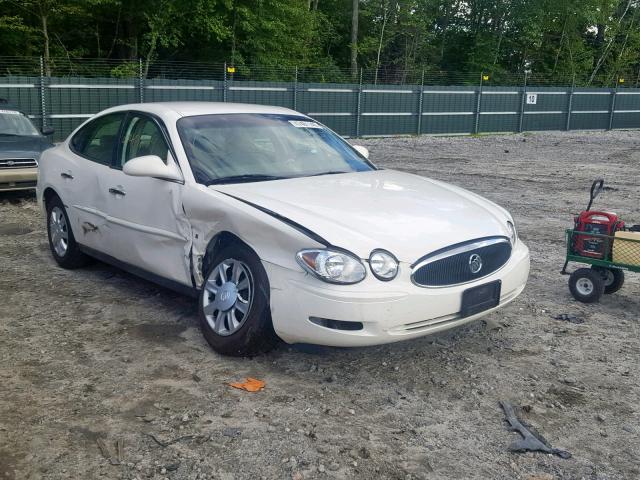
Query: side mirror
[
  {"x": 364, "y": 151},
  {"x": 151, "y": 166},
  {"x": 46, "y": 131}
]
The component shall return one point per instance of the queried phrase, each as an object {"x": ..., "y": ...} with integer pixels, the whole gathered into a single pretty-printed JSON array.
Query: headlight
[
  {"x": 513, "y": 234},
  {"x": 333, "y": 266},
  {"x": 383, "y": 265}
]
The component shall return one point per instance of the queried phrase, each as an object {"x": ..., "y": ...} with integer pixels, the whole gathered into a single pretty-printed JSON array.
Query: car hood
[
  {"x": 408, "y": 215},
  {"x": 23, "y": 146}
]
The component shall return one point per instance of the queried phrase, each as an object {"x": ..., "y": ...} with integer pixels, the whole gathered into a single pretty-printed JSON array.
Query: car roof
[
  {"x": 5, "y": 105},
  {"x": 187, "y": 109}
]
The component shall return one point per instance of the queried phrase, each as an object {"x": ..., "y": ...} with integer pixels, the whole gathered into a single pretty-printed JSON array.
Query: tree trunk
[
  {"x": 98, "y": 41},
  {"x": 354, "y": 39},
  {"x": 564, "y": 29},
  {"x": 47, "y": 55},
  {"x": 233, "y": 35},
  {"x": 384, "y": 24},
  {"x": 115, "y": 34},
  {"x": 445, "y": 26}
]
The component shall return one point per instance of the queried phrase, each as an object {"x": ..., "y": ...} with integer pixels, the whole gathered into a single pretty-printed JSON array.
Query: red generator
[
  {"x": 598, "y": 223},
  {"x": 601, "y": 226}
]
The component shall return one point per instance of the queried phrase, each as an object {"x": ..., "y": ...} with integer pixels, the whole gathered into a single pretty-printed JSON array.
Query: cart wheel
[
  {"x": 613, "y": 278},
  {"x": 586, "y": 285}
]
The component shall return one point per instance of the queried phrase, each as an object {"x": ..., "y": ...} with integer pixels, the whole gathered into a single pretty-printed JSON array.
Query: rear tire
[
  {"x": 613, "y": 278},
  {"x": 233, "y": 306},
  {"x": 63, "y": 245},
  {"x": 586, "y": 285}
]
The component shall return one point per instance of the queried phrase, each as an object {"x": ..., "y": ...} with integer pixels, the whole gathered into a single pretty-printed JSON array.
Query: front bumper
[
  {"x": 18, "y": 178},
  {"x": 389, "y": 311}
]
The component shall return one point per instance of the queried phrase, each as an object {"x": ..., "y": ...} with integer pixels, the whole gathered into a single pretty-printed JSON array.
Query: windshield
[
  {"x": 246, "y": 147},
  {"x": 15, "y": 123}
]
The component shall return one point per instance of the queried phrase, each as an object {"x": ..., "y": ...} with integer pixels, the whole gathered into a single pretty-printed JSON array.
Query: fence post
[
  {"x": 570, "y": 103},
  {"x": 43, "y": 98},
  {"x": 420, "y": 103},
  {"x": 358, "y": 106},
  {"x": 613, "y": 104},
  {"x": 224, "y": 83},
  {"x": 140, "y": 81},
  {"x": 295, "y": 90},
  {"x": 478, "y": 106},
  {"x": 522, "y": 102}
]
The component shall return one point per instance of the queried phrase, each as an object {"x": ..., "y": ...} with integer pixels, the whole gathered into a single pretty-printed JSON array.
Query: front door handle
[
  {"x": 67, "y": 175},
  {"x": 119, "y": 190}
]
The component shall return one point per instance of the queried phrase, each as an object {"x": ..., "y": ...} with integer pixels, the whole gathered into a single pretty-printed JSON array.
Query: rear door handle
[
  {"x": 67, "y": 175},
  {"x": 119, "y": 190}
]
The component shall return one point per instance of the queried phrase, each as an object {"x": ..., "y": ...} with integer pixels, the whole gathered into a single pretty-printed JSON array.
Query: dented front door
[{"x": 147, "y": 225}]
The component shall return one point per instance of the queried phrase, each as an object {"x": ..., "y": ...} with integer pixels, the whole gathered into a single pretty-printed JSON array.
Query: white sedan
[{"x": 278, "y": 225}]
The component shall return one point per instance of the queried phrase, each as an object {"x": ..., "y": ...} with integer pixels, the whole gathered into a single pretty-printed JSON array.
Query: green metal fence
[{"x": 376, "y": 104}]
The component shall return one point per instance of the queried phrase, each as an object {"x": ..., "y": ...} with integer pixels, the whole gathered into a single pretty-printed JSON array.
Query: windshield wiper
[
  {"x": 243, "y": 179},
  {"x": 330, "y": 172}
]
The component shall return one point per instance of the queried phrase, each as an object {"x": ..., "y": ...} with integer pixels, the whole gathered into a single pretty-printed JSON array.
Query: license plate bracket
[{"x": 480, "y": 298}]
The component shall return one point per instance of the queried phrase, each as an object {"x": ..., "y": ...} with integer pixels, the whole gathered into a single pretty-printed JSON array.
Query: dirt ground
[{"x": 97, "y": 356}]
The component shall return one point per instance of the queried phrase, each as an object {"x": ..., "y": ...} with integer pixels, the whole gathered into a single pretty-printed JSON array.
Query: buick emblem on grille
[{"x": 475, "y": 263}]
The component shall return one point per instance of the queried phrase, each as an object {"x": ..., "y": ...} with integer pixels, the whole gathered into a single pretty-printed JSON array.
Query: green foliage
[
  {"x": 592, "y": 41},
  {"x": 125, "y": 70},
  {"x": 16, "y": 36}
]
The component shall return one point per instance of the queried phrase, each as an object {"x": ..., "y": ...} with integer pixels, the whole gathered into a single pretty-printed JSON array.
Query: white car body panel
[
  {"x": 389, "y": 311},
  {"x": 146, "y": 227},
  {"x": 404, "y": 214},
  {"x": 165, "y": 228}
]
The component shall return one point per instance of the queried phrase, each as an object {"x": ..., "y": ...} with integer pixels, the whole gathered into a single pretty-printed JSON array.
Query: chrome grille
[
  {"x": 6, "y": 163},
  {"x": 462, "y": 263}
]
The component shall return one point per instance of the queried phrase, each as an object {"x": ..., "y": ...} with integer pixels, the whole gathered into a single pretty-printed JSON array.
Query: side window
[
  {"x": 97, "y": 139},
  {"x": 142, "y": 136}
]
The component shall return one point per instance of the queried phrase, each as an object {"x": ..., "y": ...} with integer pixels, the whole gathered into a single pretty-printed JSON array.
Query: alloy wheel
[
  {"x": 228, "y": 296},
  {"x": 59, "y": 231}
]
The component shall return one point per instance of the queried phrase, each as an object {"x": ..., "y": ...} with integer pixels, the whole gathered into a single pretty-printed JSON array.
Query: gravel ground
[{"x": 94, "y": 357}]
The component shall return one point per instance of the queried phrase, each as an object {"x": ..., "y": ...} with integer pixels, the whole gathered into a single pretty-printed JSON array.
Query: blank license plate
[{"x": 479, "y": 299}]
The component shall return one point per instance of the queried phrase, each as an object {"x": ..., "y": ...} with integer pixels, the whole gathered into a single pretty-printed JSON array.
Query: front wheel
[
  {"x": 586, "y": 285},
  {"x": 613, "y": 278},
  {"x": 234, "y": 310}
]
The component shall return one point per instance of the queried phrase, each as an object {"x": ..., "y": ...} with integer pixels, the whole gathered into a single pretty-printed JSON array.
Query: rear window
[
  {"x": 16, "y": 123},
  {"x": 96, "y": 141}
]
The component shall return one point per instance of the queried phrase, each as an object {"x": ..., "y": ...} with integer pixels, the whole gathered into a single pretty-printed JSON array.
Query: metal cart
[{"x": 609, "y": 254}]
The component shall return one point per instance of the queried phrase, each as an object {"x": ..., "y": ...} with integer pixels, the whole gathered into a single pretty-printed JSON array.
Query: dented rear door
[{"x": 88, "y": 158}]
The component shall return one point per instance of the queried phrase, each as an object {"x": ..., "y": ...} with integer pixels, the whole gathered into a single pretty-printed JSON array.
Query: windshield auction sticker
[{"x": 304, "y": 124}]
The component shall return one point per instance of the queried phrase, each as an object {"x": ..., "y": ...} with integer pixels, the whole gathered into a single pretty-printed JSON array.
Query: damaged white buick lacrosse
[{"x": 277, "y": 224}]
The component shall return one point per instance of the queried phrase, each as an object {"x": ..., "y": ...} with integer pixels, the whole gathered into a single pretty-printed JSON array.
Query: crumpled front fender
[{"x": 211, "y": 213}]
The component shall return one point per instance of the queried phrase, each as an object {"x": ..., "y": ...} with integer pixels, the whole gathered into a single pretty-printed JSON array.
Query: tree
[
  {"x": 354, "y": 37},
  {"x": 43, "y": 11},
  {"x": 590, "y": 40}
]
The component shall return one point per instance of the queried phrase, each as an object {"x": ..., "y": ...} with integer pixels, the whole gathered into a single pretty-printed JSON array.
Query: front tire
[
  {"x": 613, "y": 278},
  {"x": 234, "y": 311},
  {"x": 586, "y": 285},
  {"x": 63, "y": 245}
]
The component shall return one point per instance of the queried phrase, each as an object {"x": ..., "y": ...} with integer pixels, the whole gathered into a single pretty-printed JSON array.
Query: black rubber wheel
[
  {"x": 586, "y": 285},
  {"x": 62, "y": 243},
  {"x": 613, "y": 278},
  {"x": 233, "y": 306}
]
